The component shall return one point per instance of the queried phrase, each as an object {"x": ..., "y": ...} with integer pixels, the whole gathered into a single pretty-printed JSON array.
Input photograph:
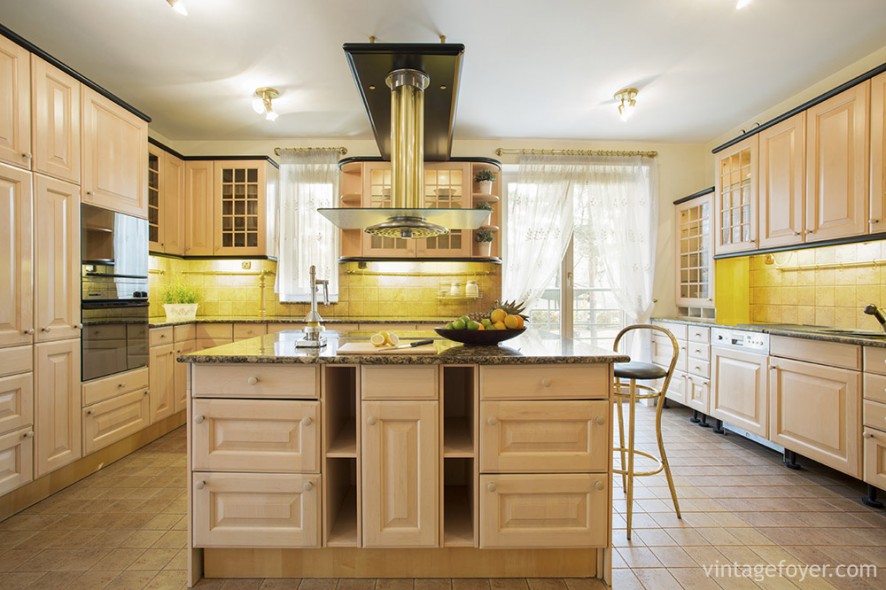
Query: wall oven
[{"x": 114, "y": 292}]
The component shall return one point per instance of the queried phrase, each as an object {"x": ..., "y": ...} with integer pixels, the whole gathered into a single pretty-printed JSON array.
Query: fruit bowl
[{"x": 479, "y": 337}]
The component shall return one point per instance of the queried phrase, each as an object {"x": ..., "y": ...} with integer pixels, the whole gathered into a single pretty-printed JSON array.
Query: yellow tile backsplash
[
  {"x": 789, "y": 291},
  {"x": 372, "y": 289}
]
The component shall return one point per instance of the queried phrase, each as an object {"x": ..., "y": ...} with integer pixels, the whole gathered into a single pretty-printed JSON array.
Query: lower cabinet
[
  {"x": 162, "y": 381},
  {"x": 739, "y": 389},
  {"x": 677, "y": 387},
  {"x": 57, "y": 421},
  {"x": 875, "y": 458},
  {"x": 114, "y": 419},
  {"x": 180, "y": 374},
  {"x": 698, "y": 394},
  {"x": 16, "y": 401},
  {"x": 16, "y": 459}
]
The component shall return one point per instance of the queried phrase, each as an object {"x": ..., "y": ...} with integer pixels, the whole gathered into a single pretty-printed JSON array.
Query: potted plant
[
  {"x": 179, "y": 302},
  {"x": 484, "y": 206},
  {"x": 484, "y": 179},
  {"x": 483, "y": 242}
]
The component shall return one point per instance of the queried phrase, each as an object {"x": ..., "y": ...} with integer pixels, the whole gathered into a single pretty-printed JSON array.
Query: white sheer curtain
[{"x": 308, "y": 180}]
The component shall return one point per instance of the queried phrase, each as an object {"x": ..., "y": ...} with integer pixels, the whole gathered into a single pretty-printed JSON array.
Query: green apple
[
  {"x": 458, "y": 324},
  {"x": 472, "y": 325}
]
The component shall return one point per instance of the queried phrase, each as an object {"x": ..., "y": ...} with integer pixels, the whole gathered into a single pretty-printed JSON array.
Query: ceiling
[{"x": 545, "y": 70}]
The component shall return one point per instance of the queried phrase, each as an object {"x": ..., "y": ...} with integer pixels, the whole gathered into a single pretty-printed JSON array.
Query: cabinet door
[
  {"x": 115, "y": 149},
  {"x": 16, "y": 459},
  {"x": 447, "y": 186},
  {"x": 677, "y": 387},
  {"x": 877, "y": 221},
  {"x": 698, "y": 394},
  {"x": 57, "y": 258},
  {"x": 172, "y": 205},
  {"x": 155, "y": 210},
  {"x": 875, "y": 458},
  {"x": 695, "y": 254},
  {"x": 111, "y": 420},
  {"x": 15, "y": 104},
  {"x": 16, "y": 257},
  {"x": 56, "y": 405},
  {"x": 837, "y": 165},
  {"x": 377, "y": 193},
  {"x": 400, "y": 458},
  {"x": 240, "y": 208},
  {"x": 16, "y": 401},
  {"x": 198, "y": 208},
  {"x": 782, "y": 177},
  {"x": 735, "y": 206},
  {"x": 56, "y": 109},
  {"x": 557, "y": 510},
  {"x": 162, "y": 381},
  {"x": 180, "y": 374},
  {"x": 816, "y": 412},
  {"x": 739, "y": 389}
]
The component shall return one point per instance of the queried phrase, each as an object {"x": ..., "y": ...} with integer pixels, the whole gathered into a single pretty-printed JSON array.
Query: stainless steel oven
[{"x": 114, "y": 292}]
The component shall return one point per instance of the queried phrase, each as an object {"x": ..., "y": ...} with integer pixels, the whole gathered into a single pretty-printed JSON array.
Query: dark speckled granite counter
[
  {"x": 823, "y": 333},
  {"x": 161, "y": 321},
  {"x": 531, "y": 347}
]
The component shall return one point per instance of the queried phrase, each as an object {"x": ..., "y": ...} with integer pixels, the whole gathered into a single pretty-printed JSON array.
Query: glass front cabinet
[
  {"x": 695, "y": 256},
  {"x": 736, "y": 197}
]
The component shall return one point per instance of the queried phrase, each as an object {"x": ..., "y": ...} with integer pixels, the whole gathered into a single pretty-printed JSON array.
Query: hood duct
[{"x": 399, "y": 124}]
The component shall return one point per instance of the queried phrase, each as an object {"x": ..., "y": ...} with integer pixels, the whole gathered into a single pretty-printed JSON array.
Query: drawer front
[
  {"x": 834, "y": 354},
  {"x": 256, "y": 381},
  {"x": 244, "y": 331},
  {"x": 544, "y": 436},
  {"x": 557, "y": 510},
  {"x": 161, "y": 336},
  {"x": 545, "y": 382},
  {"x": 256, "y": 510},
  {"x": 16, "y": 402},
  {"x": 677, "y": 387},
  {"x": 678, "y": 330},
  {"x": 241, "y": 435},
  {"x": 699, "y": 368},
  {"x": 698, "y": 394},
  {"x": 875, "y": 458},
  {"x": 105, "y": 332},
  {"x": 699, "y": 334},
  {"x": 662, "y": 351},
  {"x": 184, "y": 332},
  {"x": 402, "y": 382},
  {"x": 875, "y": 415},
  {"x": 16, "y": 459},
  {"x": 699, "y": 352},
  {"x": 219, "y": 332},
  {"x": 875, "y": 387},
  {"x": 107, "y": 422},
  {"x": 19, "y": 359},
  {"x": 875, "y": 360},
  {"x": 114, "y": 385}
]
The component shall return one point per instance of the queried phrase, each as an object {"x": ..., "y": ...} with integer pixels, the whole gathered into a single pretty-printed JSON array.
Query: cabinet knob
[
  {"x": 873, "y": 221},
  {"x": 89, "y": 412},
  {"x": 810, "y": 231},
  {"x": 546, "y": 382},
  {"x": 252, "y": 380},
  {"x": 491, "y": 421},
  {"x": 29, "y": 434},
  {"x": 121, "y": 385},
  {"x": 28, "y": 331},
  {"x": 200, "y": 485},
  {"x": 78, "y": 326},
  {"x": 370, "y": 421},
  {"x": 90, "y": 193},
  {"x": 868, "y": 435},
  {"x": 600, "y": 420},
  {"x": 599, "y": 486},
  {"x": 307, "y": 421},
  {"x": 309, "y": 486},
  {"x": 26, "y": 156},
  {"x": 491, "y": 487},
  {"x": 44, "y": 329},
  {"x": 199, "y": 419}
]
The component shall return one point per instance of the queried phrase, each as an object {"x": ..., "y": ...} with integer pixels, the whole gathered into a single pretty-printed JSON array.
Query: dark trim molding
[
  {"x": 811, "y": 103},
  {"x": 357, "y": 159},
  {"x": 837, "y": 242},
  {"x": 19, "y": 40},
  {"x": 490, "y": 259},
  {"x": 210, "y": 257},
  {"x": 700, "y": 193},
  {"x": 166, "y": 148}
]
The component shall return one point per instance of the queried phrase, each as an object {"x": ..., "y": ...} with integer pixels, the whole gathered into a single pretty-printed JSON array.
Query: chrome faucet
[
  {"x": 875, "y": 311},
  {"x": 314, "y": 329}
]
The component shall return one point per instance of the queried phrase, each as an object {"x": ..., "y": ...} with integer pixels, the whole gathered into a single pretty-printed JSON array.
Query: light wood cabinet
[
  {"x": 735, "y": 200},
  {"x": 180, "y": 373},
  {"x": 377, "y": 194},
  {"x": 105, "y": 388},
  {"x": 16, "y": 257},
  {"x": 16, "y": 459},
  {"x": 544, "y": 382},
  {"x": 16, "y": 401},
  {"x": 198, "y": 208},
  {"x": 739, "y": 389},
  {"x": 877, "y": 220},
  {"x": 56, "y": 259},
  {"x": 815, "y": 411},
  {"x": 257, "y": 381},
  {"x": 172, "y": 210},
  {"x": 400, "y": 454},
  {"x": 447, "y": 186},
  {"x": 400, "y": 382},
  {"x": 677, "y": 388},
  {"x": 555, "y": 510},
  {"x": 114, "y": 419},
  {"x": 114, "y": 152},
  {"x": 15, "y": 104},
  {"x": 782, "y": 182},
  {"x": 698, "y": 394},
  {"x": 57, "y": 421},
  {"x": 240, "y": 206},
  {"x": 875, "y": 457},
  {"x": 695, "y": 253},
  {"x": 161, "y": 365},
  {"x": 56, "y": 115},
  {"x": 837, "y": 160}
]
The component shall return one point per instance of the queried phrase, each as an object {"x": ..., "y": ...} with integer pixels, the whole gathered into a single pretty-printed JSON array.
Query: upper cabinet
[
  {"x": 115, "y": 149},
  {"x": 736, "y": 198},
  {"x": 15, "y": 104},
  {"x": 695, "y": 252},
  {"x": 782, "y": 178},
  {"x": 56, "y": 110},
  {"x": 166, "y": 204},
  {"x": 877, "y": 220}
]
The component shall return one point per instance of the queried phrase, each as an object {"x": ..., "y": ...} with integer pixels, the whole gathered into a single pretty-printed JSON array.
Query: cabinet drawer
[
  {"x": 663, "y": 350},
  {"x": 107, "y": 422},
  {"x": 699, "y": 368},
  {"x": 699, "y": 334},
  {"x": 184, "y": 332},
  {"x": 875, "y": 387},
  {"x": 16, "y": 360},
  {"x": 16, "y": 402},
  {"x": 161, "y": 336},
  {"x": 244, "y": 331},
  {"x": 875, "y": 415},
  {"x": 698, "y": 352},
  {"x": 256, "y": 380},
  {"x": 256, "y": 510},
  {"x": 875, "y": 360},
  {"x": 219, "y": 332},
  {"x": 16, "y": 459},
  {"x": 411, "y": 382},
  {"x": 558, "y": 510},
  {"x": 875, "y": 458},
  {"x": 241, "y": 435},
  {"x": 545, "y": 382},
  {"x": 834, "y": 354},
  {"x": 678, "y": 330},
  {"x": 544, "y": 436},
  {"x": 113, "y": 385}
]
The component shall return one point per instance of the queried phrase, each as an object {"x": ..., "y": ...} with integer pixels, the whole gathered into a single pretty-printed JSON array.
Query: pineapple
[{"x": 512, "y": 308}]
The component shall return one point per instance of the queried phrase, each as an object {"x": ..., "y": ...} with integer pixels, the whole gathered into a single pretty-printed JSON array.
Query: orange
[
  {"x": 512, "y": 322},
  {"x": 499, "y": 325},
  {"x": 520, "y": 321},
  {"x": 480, "y": 326},
  {"x": 498, "y": 315}
]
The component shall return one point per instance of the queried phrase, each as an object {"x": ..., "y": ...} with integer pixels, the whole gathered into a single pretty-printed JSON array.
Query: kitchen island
[{"x": 456, "y": 462}]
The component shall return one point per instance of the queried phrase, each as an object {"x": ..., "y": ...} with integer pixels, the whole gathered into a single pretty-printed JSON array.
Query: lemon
[
  {"x": 378, "y": 339},
  {"x": 392, "y": 339}
]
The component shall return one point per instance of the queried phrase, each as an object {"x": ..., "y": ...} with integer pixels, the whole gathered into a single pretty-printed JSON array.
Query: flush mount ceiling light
[
  {"x": 626, "y": 102},
  {"x": 178, "y": 6},
  {"x": 261, "y": 102}
]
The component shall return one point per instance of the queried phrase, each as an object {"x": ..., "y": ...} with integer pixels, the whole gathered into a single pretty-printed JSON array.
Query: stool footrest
[{"x": 658, "y": 462}]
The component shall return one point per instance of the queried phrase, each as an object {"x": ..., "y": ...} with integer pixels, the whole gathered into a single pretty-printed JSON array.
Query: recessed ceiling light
[{"x": 178, "y": 6}]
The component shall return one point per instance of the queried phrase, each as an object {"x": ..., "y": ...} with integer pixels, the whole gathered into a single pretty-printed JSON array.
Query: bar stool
[{"x": 631, "y": 392}]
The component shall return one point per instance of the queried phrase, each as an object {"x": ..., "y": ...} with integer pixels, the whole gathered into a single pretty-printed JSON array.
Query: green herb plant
[
  {"x": 482, "y": 175},
  {"x": 483, "y": 235},
  {"x": 179, "y": 293}
]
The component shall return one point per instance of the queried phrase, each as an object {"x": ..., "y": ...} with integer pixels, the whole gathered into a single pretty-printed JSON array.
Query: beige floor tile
[
  {"x": 673, "y": 557},
  {"x": 657, "y": 579},
  {"x": 169, "y": 580},
  {"x": 142, "y": 539},
  {"x": 172, "y": 540},
  {"x": 19, "y": 580},
  {"x": 153, "y": 559},
  {"x": 466, "y": 584},
  {"x": 118, "y": 559},
  {"x": 693, "y": 579},
  {"x": 638, "y": 557},
  {"x": 93, "y": 580},
  {"x": 356, "y": 584},
  {"x": 323, "y": 584},
  {"x": 131, "y": 580},
  {"x": 654, "y": 537},
  {"x": 584, "y": 584},
  {"x": 281, "y": 584},
  {"x": 626, "y": 580},
  {"x": 546, "y": 583}
]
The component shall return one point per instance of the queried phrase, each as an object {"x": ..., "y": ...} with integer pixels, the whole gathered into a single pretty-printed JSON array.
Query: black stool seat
[{"x": 639, "y": 370}]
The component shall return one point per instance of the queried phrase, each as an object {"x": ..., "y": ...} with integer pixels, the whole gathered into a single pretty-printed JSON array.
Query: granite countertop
[
  {"x": 809, "y": 332},
  {"x": 531, "y": 347},
  {"x": 160, "y": 321}
]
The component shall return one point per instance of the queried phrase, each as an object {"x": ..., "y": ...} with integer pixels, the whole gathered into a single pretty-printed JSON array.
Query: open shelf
[
  {"x": 457, "y": 439},
  {"x": 343, "y": 532},
  {"x": 458, "y": 518},
  {"x": 484, "y": 198},
  {"x": 351, "y": 199},
  {"x": 344, "y": 443}
]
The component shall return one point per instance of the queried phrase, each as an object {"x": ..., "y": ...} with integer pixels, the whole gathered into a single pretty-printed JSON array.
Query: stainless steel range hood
[{"x": 399, "y": 121}]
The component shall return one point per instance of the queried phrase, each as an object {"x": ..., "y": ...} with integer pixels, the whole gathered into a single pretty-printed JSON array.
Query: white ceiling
[{"x": 531, "y": 69}]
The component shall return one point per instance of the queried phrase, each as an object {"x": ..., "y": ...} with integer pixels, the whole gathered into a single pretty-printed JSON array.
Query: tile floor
[{"x": 124, "y": 527}]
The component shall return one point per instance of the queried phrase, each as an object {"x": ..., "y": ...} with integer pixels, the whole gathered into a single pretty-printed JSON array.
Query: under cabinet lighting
[
  {"x": 178, "y": 6},
  {"x": 261, "y": 102},
  {"x": 627, "y": 101}
]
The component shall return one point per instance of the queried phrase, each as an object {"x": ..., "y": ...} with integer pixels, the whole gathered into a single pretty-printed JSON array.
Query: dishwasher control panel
[{"x": 751, "y": 341}]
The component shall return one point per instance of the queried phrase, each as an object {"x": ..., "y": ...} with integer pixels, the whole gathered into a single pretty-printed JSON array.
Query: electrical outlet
[{"x": 246, "y": 264}]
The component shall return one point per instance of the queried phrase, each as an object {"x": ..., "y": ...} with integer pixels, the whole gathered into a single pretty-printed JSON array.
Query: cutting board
[{"x": 369, "y": 348}]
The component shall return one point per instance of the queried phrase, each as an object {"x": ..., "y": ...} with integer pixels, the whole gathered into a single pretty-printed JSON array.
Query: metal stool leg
[
  {"x": 621, "y": 441},
  {"x": 664, "y": 463},
  {"x": 630, "y": 470}
]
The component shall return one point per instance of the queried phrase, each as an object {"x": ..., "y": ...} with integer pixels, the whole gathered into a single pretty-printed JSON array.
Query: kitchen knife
[{"x": 410, "y": 344}]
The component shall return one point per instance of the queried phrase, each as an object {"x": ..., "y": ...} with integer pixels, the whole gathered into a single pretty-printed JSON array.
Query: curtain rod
[
  {"x": 502, "y": 151},
  {"x": 279, "y": 151}
]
